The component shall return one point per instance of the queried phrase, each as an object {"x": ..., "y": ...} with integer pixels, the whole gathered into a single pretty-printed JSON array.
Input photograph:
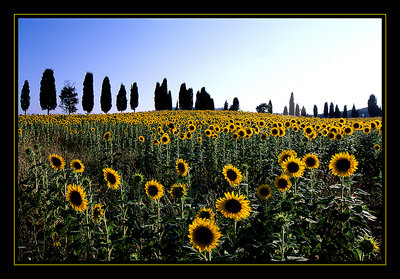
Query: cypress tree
[
  {"x": 134, "y": 99},
  {"x": 203, "y": 100},
  {"x": 185, "y": 98},
  {"x": 373, "y": 109},
  {"x": 189, "y": 99},
  {"x": 182, "y": 96},
  {"x": 168, "y": 101},
  {"x": 303, "y": 111},
  {"x": 326, "y": 114},
  {"x": 47, "y": 96},
  {"x": 315, "y": 110},
  {"x": 235, "y": 104},
  {"x": 354, "y": 112},
  {"x": 344, "y": 114},
  {"x": 269, "y": 106},
  {"x": 291, "y": 104},
  {"x": 88, "y": 94},
  {"x": 105, "y": 97},
  {"x": 226, "y": 105},
  {"x": 157, "y": 97},
  {"x": 162, "y": 97},
  {"x": 285, "y": 112},
  {"x": 121, "y": 98},
  {"x": 297, "y": 111},
  {"x": 25, "y": 98},
  {"x": 331, "y": 110},
  {"x": 337, "y": 112}
]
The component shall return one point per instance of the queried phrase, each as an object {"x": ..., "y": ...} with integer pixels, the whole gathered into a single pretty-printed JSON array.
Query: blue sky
[{"x": 319, "y": 60}]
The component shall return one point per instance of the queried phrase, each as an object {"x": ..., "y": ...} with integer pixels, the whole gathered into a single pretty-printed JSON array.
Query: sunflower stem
[
  {"x": 283, "y": 243},
  {"x": 158, "y": 216},
  {"x": 342, "y": 192}
]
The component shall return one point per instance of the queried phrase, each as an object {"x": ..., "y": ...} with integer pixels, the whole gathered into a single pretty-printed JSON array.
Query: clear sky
[{"x": 256, "y": 60}]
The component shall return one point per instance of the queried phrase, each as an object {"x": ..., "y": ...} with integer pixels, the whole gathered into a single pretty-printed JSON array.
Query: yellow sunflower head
[
  {"x": 369, "y": 245},
  {"x": 293, "y": 166},
  {"x": 154, "y": 190},
  {"x": 348, "y": 130},
  {"x": 56, "y": 162},
  {"x": 178, "y": 190},
  {"x": 282, "y": 183},
  {"x": 286, "y": 154},
  {"x": 205, "y": 213},
  {"x": 182, "y": 167},
  {"x": 97, "y": 212},
  {"x": 204, "y": 234},
  {"x": 343, "y": 164},
  {"x": 232, "y": 175},
  {"x": 165, "y": 138},
  {"x": 377, "y": 147},
  {"x": 76, "y": 197},
  {"x": 311, "y": 161},
  {"x": 77, "y": 165},
  {"x": 112, "y": 177},
  {"x": 234, "y": 206},
  {"x": 107, "y": 136},
  {"x": 264, "y": 191}
]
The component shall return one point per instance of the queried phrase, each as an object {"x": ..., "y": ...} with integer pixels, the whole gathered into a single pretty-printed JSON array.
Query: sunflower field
[{"x": 199, "y": 187}]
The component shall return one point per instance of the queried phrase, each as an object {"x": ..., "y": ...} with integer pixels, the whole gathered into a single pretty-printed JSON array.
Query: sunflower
[
  {"x": 282, "y": 183},
  {"x": 307, "y": 131},
  {"x": 286, "y": 154},
  {"x": 77, "y": 165},
  {"x": 339, "y": 137},
  {"x": 76, "y": 197},
  {"x": 112, "y": 177},
  {"x": 178, "y": 190},
  {"x": 165, "y": 138},
  {"x": 241, "y": 132},
  {"x": 208, "y": 132},
  {"x": 182, "y": 167},
  {"x": 343, "y": 164},
  {"x": 234, "y": 206},
  {"x": 356, "y": 126},
  {"x": 141, "y": 138},
  {"x": 275, "y": 132},
  {"x": 348, "y": 130},
  {"x": 107, "y": 136},
  {"x": 311, "y": 161},
  {"x": 205, "y": 213},
  {"x": 204, "y": 234},
  {"x": 191, "y": 128},
  {"x": 294, "y": 167},
  {"x": 263, "y": 136},
  {"x": 97, "y": 212},
  {"x": 56, "y": 162},
  {"x": 232, "y": 175},
  {"x": 369, "y": 245},
  {"x": 377, "y": 147},
  {"x": 264, "y": 191},
  {"x": 154, "y": 190},
  {"x": 366, "y": 129},
  {"x": 156, "y": 142},
  {"x": 331, "y": 135}
]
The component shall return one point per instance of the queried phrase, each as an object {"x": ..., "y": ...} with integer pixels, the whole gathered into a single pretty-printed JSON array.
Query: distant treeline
[{"x": 162, "y": 99}]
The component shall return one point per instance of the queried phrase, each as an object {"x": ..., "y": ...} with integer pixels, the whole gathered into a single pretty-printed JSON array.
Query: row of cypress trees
[
  {"x": 68, "y": 95},
  {"x": 69, "y": 100}
]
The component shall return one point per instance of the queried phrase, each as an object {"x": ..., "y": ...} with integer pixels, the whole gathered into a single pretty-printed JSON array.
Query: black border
[{"x": 387, "y": 63}]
